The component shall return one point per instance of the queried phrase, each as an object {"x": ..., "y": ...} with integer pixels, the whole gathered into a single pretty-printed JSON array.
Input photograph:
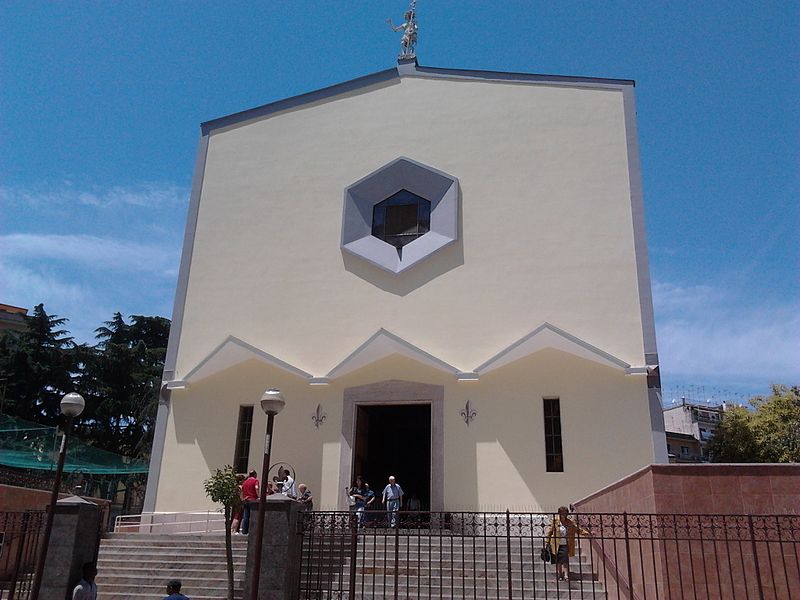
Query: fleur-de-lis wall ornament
[
  {"x": 319, "y": 416},
  {"x": 468, "y": 413}
]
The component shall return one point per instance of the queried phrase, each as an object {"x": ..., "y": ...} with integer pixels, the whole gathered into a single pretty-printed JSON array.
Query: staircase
[
  {"x": 133, "y": 566},
  {"x": 441, "y": 566}
]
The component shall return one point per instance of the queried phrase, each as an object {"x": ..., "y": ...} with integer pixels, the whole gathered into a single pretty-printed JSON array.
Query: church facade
[{"x": 445, "y": 272}]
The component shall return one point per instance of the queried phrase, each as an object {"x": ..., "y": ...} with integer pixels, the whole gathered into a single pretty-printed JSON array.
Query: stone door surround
[{"x": 396, "y": 392}]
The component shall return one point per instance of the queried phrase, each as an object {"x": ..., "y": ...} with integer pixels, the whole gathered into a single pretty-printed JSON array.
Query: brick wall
[{"x": 717, "y": 530}]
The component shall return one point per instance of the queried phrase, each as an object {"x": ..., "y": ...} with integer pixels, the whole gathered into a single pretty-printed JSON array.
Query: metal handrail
[{"x": 158, "y": 522}]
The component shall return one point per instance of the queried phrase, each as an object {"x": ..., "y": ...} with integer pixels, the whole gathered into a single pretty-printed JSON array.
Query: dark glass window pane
[
  {"x": 401, "y": 218},
  {"x": 243, "y": 433},
  {"x": 555, "y": 463},
  {"x": 424, "y": 217},
  {"x": 554, "y": 458},
  {"x": 378, "y": 220},
  {"x": 551, "y": 407}
]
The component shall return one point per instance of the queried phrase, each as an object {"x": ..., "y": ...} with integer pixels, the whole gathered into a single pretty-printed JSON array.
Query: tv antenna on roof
[{"x": 408, "y": 42}]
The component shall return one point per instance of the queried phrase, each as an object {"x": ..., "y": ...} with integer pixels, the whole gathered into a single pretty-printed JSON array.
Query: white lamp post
[
  {"x": 72, "y": 405},
  {"x": 272, "y": 403}
]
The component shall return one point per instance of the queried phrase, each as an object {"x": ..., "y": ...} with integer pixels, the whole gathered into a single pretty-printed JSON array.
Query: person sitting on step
[{"x": 174, "y": 591}]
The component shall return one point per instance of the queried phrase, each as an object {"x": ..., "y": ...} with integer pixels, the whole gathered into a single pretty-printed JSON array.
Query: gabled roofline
[
  {"x": 370, "y": 351},
  {"x": 514, "y": 76},
  {"x": 251, "y": 351},
  {"x": 406, "y": 69},
  {"x": 295, "y": 101},
  {"x": 528, "y": 344}
]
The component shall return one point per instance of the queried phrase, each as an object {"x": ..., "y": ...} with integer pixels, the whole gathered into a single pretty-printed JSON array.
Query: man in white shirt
[
  {"x": 392, "y": 497},
  {"x": 287, "y": 487},
  {"x": 86, "y": 588}
]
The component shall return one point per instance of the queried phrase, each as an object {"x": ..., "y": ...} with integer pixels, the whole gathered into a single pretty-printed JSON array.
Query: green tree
[
  {"x": 223, "y": 487},
  {"x": 734, "y": 440},
  {"x": 769, "y": 431},
  {"x": 776, "y": 424},
  {"x": 39, "y": 365},
  {"x": 122, "y": 376}
]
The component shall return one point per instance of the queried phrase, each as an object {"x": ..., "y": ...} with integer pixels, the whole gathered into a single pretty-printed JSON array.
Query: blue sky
[{"x": 100, "y": 106}]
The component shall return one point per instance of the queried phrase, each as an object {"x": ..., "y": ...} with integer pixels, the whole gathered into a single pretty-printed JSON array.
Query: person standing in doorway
[
  {"x": 249, "y": 494},
  {"x": 359, "y": 496},
  {"x": 369, "y": 505},
  {"x": 392, "y": 498}
]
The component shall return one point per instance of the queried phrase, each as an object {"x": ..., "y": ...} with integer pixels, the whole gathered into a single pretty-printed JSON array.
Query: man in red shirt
[{"x": 249, "y": 494}]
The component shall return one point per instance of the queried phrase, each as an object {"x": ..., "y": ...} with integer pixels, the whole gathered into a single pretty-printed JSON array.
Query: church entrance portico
[{"x": 395, "y": 428}]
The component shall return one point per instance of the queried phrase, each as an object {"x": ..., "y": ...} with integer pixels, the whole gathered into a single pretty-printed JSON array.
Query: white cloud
[
  {"x": 149, "y": 195},
  {"x": 25, "y": 286},
  {"x": 92, "y": 252},
  {"x": 706, "y": 334},
  {"x": 121, "y": 253}
]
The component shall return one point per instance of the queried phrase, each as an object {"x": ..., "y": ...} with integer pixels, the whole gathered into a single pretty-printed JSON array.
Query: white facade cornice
[{"x": 381, "y": 344}]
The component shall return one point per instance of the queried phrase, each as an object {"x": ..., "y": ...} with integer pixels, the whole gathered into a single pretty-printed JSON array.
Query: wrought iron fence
[
  {"x": 498, "y": 556},
  {"x": 19, "y": 541}
]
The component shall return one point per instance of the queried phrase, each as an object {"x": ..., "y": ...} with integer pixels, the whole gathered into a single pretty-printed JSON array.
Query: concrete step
[
  {"x": 455, "y": 594},
  {"x": 447, "y": 574},
  {"x": 379, "y": 594},
  {"x": 433, "y": 546},
  {"x": 169, "y": 551},
  {"x": 467, "y": 582},
  {"x": 190, "y": 579},
  {"x": 157, "y": 590},
  {"x": 370, "y": 536},
  {"x": 124, "y": 595},
  {"x": 126, "y": 554},
  {"x": 155, "y": 565},
  {"x": 438, "y": 560},
  {"x": 144, "y": 543},
  {"x": 134, "y": 566},
  {"x": 132, "y": 569},
  {"x": 517, "y": 572}
]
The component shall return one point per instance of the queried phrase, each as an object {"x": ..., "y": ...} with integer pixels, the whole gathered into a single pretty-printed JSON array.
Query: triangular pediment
[
  {"x": 232, "y": 352},
  {"x": 381, "y": 345},
  {"x": 550, "y": 336}
]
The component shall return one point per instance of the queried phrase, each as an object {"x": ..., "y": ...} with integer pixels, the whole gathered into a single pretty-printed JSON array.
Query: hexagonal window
[
  {"x": 400, "y": 214},
  {"x": 401, "y": 219}
]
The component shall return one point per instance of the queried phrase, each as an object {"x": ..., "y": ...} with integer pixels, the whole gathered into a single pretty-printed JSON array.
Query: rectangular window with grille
[
  {"x": 242, "y": 452},
  {"x": 552, "y": 435}
]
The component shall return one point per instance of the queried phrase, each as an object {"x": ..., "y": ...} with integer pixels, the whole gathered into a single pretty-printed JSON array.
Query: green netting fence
[{"x": 27, "y": 445}]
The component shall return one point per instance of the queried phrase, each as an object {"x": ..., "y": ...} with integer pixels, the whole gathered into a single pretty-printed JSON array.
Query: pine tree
[{"x": 39, "y": 365}]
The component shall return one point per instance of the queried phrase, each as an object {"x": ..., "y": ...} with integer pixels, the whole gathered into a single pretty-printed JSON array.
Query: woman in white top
[{"x": 560, "y": 539}]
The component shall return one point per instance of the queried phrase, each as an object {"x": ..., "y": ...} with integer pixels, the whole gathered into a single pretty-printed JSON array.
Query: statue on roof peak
[{"x": 408, "y": 43}]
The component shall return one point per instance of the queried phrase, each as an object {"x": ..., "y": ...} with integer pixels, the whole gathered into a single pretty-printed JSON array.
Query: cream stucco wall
[
  {"x": 495, "y": 463},
  {"x": 546, "y": 234},
  {"x": 547, "y": 230}
]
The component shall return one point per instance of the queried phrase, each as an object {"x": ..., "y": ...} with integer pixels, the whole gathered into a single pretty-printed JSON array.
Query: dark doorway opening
[{"x": 395, "y": 440}]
